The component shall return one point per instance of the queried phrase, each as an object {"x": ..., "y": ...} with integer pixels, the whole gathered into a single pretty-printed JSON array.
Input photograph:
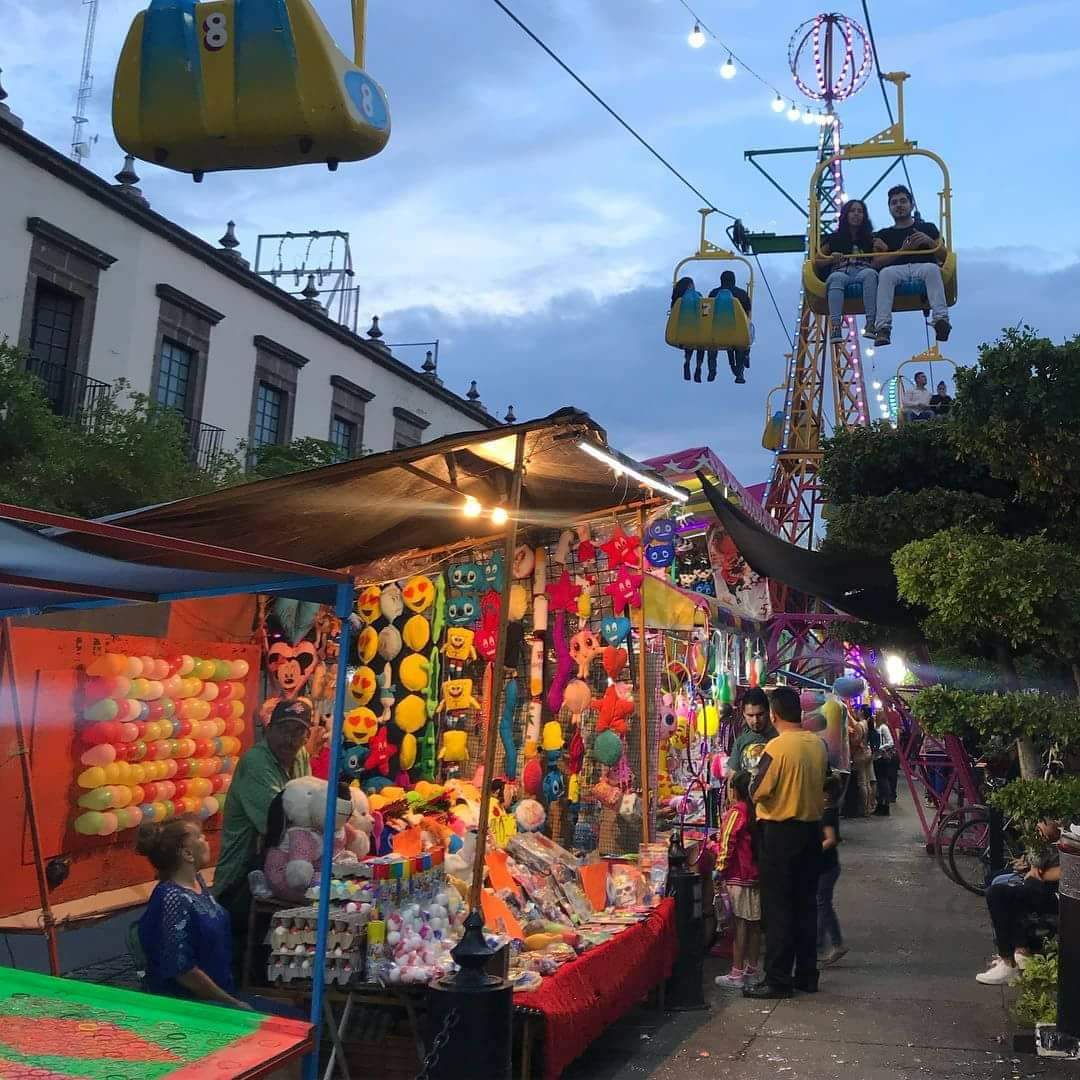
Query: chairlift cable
[
  {"x": 600, "y": 101},
  {"x": 776, "y": 307}
]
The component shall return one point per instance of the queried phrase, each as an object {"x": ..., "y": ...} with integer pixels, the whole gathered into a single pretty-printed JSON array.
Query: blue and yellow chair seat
[
  {"x": 909, "y": 296},
  {"x": 242, "y": 84},
  {"x": 708, "y": 322}
]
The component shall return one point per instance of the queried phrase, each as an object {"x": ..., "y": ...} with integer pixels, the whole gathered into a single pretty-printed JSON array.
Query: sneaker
[
  {"x": 1022, "y": 959},
  {"x": 833, "y": 955},
  {"x": 942, "y": 329},
  {"x": 751, "y": 976},
  {"x": 739, "y": 380},
  {"x": 882, "y": 336},
  {"x": 998, "y": 974},
  {"x": 733, "y": 980},
  {"x": 869, "y": 332},
  {"x": 836, "y": 333}
]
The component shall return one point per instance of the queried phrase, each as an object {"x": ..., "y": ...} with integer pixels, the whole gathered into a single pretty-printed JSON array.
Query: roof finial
[
  {"x": 127, "y": 182},
  {"x": 474, "y": 395},
  {"x": 510, "y": 418},
  {"x": 373, "y": 330},
  {"x": 311, "y": 294},
  {"x": 230, "y": 245}
]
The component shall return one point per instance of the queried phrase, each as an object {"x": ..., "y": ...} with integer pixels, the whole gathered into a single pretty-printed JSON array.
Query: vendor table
[
  {"x": 583, "y": 997},
  {"x": 54, "y": 1029}
]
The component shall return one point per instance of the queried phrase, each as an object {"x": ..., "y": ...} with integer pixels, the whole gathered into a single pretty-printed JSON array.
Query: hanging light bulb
[
  {"x": 472, "y": 507},
  {"x": 499, "y": 516},
  {"x": 807, "y": 117},
  {"x": 876, "y": 385},
  {"x": 778, "y": 104},
  {"x": 793, "y": 113},
  {"x": 728, "y": 69},
  {"x": 870, "y": 352},
  {"x": 695, "y": 39},
  {"x": 881, "y": 397}
]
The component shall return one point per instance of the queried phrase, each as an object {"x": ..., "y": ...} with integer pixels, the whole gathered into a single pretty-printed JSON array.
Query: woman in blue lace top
[{"x": 184, "y": 932}]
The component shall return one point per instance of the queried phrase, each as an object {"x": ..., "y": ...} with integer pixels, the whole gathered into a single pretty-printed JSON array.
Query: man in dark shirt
[
  {"x": 914, "y": 253},
  {"x": 738, "y": 359}
]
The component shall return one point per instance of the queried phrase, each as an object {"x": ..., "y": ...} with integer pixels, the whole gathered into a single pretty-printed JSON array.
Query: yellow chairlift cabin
[
  {"x": 773, "y": 435},
  {"x": 698, "y": 321},
  {"x": 929, "y": 358},
  {"x": 890, "y": 143},
  {"x": 206, "y": 85}
]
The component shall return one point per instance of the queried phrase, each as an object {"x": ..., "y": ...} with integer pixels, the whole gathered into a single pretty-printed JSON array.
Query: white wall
[{"x": 127, "y": 316}]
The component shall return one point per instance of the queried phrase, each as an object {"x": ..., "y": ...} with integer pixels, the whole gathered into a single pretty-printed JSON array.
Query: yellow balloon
[
  {"x": 94, "y": 777},
  {"x": 407, "y": 751}
]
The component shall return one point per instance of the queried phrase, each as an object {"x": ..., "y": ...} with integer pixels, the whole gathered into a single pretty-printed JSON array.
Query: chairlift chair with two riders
[
  {"x": 890, "y": 143},
  {"x": 928, "y": 358},
  {"x": 205, "y": 85},
  {"x": 698, "y": 321}
]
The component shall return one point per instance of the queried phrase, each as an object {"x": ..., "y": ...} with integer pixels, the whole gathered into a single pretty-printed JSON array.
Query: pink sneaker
[
  {"x": 751, "y": 976},
  {"x": 733, "y": 980}
]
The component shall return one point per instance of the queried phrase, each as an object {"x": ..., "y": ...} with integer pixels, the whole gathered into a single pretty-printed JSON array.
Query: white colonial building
[{"x": 95, "y": 286}]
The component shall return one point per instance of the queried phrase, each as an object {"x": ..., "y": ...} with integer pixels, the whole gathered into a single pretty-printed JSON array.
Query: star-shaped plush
[
  {"x": 380, "y": 750},
  {"x": 625, "y": 590},
  {"x": 622, "y": 550},
  {"x": 562, "y": 596}
]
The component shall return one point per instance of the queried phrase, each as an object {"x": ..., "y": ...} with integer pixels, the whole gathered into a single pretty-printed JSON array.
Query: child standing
[
  {"x": 736, "y": 863},
  {"x": 830, "y": 941}
]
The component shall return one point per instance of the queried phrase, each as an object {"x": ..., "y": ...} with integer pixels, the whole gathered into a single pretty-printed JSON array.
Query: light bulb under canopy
[
  {"x": 695, "y": 39},
  {"x": 728, "y": 69},
  {"x": 472, "y": 507},
  {"x": 499, "y": 516}
]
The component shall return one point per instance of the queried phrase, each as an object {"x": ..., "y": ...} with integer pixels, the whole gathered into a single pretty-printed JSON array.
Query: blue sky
[{"x": 515, "y": 221}]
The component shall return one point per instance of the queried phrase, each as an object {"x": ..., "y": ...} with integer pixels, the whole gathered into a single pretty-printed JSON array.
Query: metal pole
[
  {"x": 343, "y": 609},
  {"x": 358, "y": 13},
  {"x": 498, "y": 666},
  {"x": 644, "y": 696},
  {"x": 7, "y": 662}
]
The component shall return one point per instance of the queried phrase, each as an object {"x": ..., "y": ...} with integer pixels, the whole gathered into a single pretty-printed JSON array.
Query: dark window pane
[
  {"x": 51, "y": 342},
  {"x": 406, "y": 435},
  {"x": 343, "y": 435},
  {"x": 174, "y": 376},
  {"x": 269, "y": 414}
]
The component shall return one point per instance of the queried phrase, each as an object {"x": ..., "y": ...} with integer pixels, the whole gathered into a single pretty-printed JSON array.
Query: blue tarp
[{"x": 40, "y": 573}]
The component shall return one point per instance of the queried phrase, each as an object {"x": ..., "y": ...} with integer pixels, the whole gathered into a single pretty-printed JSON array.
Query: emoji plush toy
[
  {"x": 367, "y": 603},
  {"x": 418, "y": 594}
]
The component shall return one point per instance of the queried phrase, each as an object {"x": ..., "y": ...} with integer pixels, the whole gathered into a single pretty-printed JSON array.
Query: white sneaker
[
  {"x": 868, "y": 332},
  {"x": 999, "y": 974},
  {"x": 1022, "y": 959}
]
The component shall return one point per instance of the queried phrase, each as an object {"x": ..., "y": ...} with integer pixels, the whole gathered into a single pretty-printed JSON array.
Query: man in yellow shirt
[{"x": 789, "y": 798}]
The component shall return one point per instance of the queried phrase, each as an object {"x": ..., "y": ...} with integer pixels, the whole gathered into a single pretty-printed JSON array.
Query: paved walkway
[{"x": 902, "y": 1005}]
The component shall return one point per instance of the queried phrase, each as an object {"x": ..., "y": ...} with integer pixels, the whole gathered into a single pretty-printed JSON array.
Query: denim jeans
[
  {"x": 927, "y": 274},
  {"x": 828, "y": 925},
  {"x": 838, "y": 280}
]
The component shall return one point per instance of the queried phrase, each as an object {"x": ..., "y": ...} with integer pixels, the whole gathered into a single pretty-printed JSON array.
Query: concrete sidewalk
[{"x": 902, "y": 1005}]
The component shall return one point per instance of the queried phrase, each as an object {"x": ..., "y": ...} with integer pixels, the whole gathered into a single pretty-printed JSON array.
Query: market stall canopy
[
  {"x": 385, "y": 504},
  {"x": 864, "y": 588},
  {"x": 40, "y": 573}
]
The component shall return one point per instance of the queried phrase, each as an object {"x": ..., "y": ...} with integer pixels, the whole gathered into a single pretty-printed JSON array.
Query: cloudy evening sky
[{"x": 514, "y": 220}]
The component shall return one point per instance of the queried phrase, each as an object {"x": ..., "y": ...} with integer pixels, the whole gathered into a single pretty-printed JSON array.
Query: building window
[
  {"x": 175, "y": 376},
  {"x": 343, "y": 436},
  {"x": 52, "y": 341},
  {"x": 270, "y": 404},
  {"x": 408, "y": 429}
]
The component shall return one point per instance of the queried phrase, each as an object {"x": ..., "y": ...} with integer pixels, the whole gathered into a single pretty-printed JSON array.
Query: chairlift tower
[
  {"x": 80, "y": 145},
  {"x": 830, "y": 58}
]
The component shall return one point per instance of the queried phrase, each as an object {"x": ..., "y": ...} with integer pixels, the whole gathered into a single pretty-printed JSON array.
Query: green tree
[{"x": 306, "y": 453}]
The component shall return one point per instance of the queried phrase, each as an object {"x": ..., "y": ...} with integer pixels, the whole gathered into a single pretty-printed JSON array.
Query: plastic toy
[
  {"x": 458, "y": 649},
  {"x": 244, "y": 84}
]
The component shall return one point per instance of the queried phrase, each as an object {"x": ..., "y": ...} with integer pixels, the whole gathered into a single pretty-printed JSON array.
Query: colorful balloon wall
[{"x": 158, "y": 737}]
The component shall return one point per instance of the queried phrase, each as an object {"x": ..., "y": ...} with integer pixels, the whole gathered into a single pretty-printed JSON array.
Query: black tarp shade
[
  {"x": 862, "y": 587},
  {"x": 405, "y": 500}
]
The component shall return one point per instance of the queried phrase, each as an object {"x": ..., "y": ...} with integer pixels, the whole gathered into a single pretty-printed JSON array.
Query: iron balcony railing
[
  {"x": 204, "y": 441},
  {"x": 70, "y": 394}
]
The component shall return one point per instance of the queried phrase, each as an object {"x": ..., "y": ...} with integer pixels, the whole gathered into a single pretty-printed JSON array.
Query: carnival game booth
[
  {"x": 500, "y": 713},
  {"x": 107, "y": 731}
]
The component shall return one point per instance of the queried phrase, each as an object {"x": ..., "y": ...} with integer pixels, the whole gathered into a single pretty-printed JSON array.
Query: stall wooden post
[
  {"x": 498, "y": 667},
  {"x": 643, "y": 702},
  {"x": 8, "y": 671}
]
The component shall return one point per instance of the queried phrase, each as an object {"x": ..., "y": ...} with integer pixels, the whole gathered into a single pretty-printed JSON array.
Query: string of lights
[{"x": 728, "y": 70}]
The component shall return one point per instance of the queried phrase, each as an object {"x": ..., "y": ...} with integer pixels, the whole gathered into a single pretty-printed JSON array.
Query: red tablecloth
[{"x": 586, "y": 995}]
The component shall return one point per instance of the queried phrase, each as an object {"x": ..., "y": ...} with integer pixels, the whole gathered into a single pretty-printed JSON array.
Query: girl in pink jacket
[{"x": 736, "y": 864}]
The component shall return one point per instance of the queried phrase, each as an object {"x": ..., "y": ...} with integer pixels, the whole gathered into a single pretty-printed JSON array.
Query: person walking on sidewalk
[
  {"x": 789, "y": 798},
  {"x": 737, "y": 867},
  {"x": 830, "y": 941}
]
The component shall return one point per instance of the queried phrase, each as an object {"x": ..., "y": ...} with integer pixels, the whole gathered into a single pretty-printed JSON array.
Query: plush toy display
[
  {"x": 622, "y": 549},
  {"x": 625, "y": 590},
  {"x": 458, "y": 649},
  {"x": 457, "y": 697},
  {"x": 584, "y": 648},
  {"x": 418, "y": 594},
  {"x": 530, "y": 815},
  {"x": 294, "y": 836}
]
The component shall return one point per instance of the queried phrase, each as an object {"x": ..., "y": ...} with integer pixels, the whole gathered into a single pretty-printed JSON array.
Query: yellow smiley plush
[
  {"x": 367, "y": 603},
  {"x": 416, "y": 633},
  {"x": 362, "y": 685},
  {"x": 418, "y": 593},
  {"x": 410, "y": 713}
]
